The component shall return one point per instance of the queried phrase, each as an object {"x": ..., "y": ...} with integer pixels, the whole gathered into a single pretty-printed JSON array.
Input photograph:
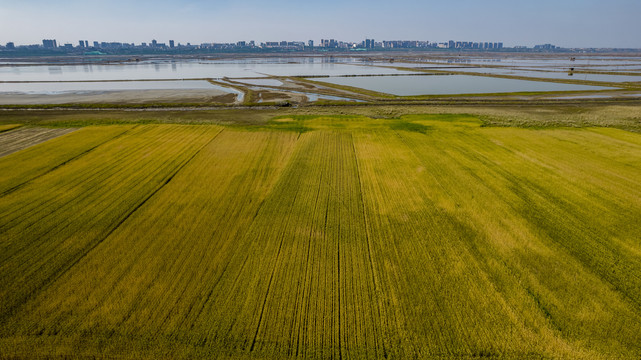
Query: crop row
[
  {"x": 56, "y": 219},
  {"x": 36, "y": 161},
  {"x": 431, "y": 239}
]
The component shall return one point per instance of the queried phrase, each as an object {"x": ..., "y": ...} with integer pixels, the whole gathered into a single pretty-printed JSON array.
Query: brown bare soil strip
[{"x": 19, "y": 139}]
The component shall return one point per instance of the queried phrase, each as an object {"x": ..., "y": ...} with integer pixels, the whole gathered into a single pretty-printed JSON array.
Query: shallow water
[
  {"x": 550, "y": 74},
  {"x": 263, "y": 82},
  {"x": 148, "y": 70},
  {"x": 543, "y": 62},
  {"x": 311, "y": 97},
  {"x": 81, "y": 87},
  {"x": 451, "y": 84},
  {"x": 416, "y": 65}
]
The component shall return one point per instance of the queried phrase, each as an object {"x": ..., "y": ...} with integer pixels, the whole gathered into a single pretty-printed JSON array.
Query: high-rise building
[
  {"x": 154, "y": 43},
  {"x": 369, "y": 43},
  {"x": 96, "y": 44},
  {"x": 171, "y": 44},
  {"x": 10, "y": 46},
  {"x": 545, "y": 47},
  {"x": 49, "y": 44},
  {"x": 310, "y": 43}
]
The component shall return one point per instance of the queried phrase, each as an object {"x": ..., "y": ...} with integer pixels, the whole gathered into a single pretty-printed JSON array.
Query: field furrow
[
  {"x": 40, "y": 245},
  {"x": 421, "y": 255},
  {"x": 40, "y": 159},
  {"x": 425, "y": 236},
  {"x": 539, "y": 264},
  {"x": 199, "y": 218},
  {"x": 304, "y": 293}
]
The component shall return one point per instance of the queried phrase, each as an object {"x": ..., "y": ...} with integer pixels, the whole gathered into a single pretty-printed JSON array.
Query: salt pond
[
  {"x": 550, "y": 74},
  {"x": 79, "y": 87},
  {"x": 451, "y": 84},
  {"x": 542, "y": 62},
  {"x": 181, "y": 70}
]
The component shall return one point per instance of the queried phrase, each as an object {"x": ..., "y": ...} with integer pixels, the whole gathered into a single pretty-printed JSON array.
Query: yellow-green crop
[{"x": 426, "y": 236}]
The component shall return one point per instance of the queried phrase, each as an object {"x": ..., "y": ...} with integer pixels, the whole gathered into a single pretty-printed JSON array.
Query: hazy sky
[{"x": 568, "y": 23}]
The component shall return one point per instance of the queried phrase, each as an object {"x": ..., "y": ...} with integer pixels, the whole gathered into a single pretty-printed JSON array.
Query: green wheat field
[{"x": 323, "y": 237}]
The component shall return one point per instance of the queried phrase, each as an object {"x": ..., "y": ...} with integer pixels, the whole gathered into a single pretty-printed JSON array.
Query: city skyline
[
  {"x": 337, "y": 44},
  {"x": 567, "y": 23},
  {"x": 323, "y": 43},
  {"x": 84, "y": 47}
]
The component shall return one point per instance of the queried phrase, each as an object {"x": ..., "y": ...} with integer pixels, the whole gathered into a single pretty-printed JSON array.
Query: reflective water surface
[
  {"x": 187, "y": 69},
  {"x": 79, "y": 87},
  {"x": 451, "y": 84}
]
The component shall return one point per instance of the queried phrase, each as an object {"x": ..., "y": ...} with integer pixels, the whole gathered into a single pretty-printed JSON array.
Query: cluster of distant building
[
  {"x": 289, "y": 45},
  {"x": 545, "y": 47},
  {"x": 84, "y": 46},
  {"x": 410, "y": 44}
]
